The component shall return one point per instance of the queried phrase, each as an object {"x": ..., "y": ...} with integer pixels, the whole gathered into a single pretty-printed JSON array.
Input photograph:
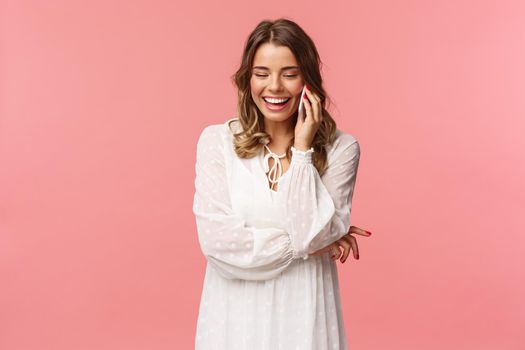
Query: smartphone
[{"x": 301, "y": 113}]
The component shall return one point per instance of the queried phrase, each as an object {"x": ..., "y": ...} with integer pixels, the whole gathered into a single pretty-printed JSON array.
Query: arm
[
  {"x": 234, "y": 249},
  {"x": 318, "y": 211}
]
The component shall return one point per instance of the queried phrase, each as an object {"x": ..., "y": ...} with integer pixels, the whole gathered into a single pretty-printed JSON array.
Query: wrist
[{"x": 301, "y": 146}]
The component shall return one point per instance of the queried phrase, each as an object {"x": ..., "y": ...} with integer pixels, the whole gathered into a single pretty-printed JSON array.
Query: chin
[{"x": 278, "y": 118}]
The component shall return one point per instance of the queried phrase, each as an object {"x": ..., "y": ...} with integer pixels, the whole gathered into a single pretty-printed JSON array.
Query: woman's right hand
[
  {"x": 347, "y": 242},
  {"x": 306, "y": 129}
]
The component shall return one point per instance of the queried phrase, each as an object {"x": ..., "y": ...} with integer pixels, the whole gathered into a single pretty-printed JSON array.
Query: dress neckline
[{"x": 275, "y": 173}]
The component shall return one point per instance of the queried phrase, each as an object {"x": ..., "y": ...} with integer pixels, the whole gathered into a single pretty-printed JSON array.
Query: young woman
[{"x": 272, "y": 204}]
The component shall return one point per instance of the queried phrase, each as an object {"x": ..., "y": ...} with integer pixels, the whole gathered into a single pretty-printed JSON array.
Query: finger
[
  {"x": 315, "y": 105},
  {"x": 359, "y": 231},
  {"x": 336, "y": 252},
  {"x": 313, "y": 96},
  {"x": 344, "y": 242},
  {"x": 332, "y": 252},
  {"x": 307, "y": 108},
  {"x": 355, "y": 248}
]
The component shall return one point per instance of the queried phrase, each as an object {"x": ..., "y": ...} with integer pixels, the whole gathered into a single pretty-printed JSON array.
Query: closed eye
[{"x": 288, "y": 76}]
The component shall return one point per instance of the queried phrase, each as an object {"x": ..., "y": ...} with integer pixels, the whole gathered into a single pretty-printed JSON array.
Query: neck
[{"x": 281, "y": 132}]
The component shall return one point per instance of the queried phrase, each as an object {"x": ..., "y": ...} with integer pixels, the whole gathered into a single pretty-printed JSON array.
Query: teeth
[{"x": 275, "y": 100}]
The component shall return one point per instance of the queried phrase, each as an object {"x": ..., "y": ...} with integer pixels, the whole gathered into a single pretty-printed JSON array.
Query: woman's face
[{"x": 275, "y": 73}]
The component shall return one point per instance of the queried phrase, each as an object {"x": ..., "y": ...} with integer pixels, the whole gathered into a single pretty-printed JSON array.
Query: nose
[{"x": 275, "y": 83}]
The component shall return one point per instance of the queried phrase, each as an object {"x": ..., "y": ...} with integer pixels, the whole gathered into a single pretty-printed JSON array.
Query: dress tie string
[{"x": 277, "y": 168}]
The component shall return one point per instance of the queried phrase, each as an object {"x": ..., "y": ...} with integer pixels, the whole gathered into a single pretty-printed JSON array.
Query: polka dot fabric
[{"x": 261, "y": 289}]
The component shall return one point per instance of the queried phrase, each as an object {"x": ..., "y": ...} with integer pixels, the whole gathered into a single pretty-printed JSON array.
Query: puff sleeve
[
  {"x": 318, "y": 211},
  {"x": 235, "y": 249}
]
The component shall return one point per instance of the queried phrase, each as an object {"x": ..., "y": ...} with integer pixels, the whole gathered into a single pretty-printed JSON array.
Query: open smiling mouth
[{"x": 276, "y": 106}]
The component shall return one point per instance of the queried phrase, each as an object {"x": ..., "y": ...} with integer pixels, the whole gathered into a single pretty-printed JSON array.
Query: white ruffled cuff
[{"x": 302, "y": 157}]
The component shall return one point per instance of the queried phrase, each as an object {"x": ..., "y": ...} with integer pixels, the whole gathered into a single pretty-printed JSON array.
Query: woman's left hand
[
  {"x": 347, "y": 242},
  {"x": 306, "y": 128}
]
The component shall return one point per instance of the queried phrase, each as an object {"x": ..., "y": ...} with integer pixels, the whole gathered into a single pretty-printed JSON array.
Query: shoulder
[
  {"x": 216, "y": 132},
  {"x": 214, "y": 137},
  {"x": 345, "y": 139},
  {"x": 344, "y": 143}
]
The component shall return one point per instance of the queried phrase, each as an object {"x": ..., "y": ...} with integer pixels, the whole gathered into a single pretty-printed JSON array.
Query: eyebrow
[{"x": 284, "y": 68}]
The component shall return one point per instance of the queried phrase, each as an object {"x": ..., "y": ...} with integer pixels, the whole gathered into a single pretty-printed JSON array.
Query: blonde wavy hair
[{"x": 251, "y": 137}]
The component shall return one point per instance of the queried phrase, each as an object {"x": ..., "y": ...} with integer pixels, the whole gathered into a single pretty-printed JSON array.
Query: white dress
[{"x": 261, "y": 289}]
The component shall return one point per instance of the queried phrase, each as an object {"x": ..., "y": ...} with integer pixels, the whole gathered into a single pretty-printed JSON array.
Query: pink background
[{"x": 101, "y": 106}]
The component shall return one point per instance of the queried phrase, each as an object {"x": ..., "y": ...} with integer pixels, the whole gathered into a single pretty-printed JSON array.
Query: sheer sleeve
[
  {"x": 235, "y": 249},
  {"x": 318, "y": 211}
]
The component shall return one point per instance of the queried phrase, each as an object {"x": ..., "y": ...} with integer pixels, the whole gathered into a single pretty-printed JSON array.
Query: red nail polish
[
  {"x": 307, "y": 88},
  {"x": 369, "y": 233}
]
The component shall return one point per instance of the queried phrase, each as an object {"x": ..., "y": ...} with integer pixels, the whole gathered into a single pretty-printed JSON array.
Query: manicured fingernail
[
  {"x": 369, "y": 233},
  {"x": 305, "y": 97},
  {"x": 307, "y": 88},
  {"x": 358, "y": 256}
]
